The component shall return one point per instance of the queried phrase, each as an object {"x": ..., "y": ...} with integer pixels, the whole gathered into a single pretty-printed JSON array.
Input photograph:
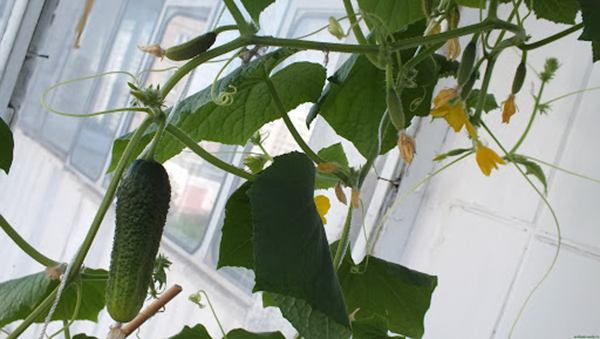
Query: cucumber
[
  {"x": 192, "y": 48},
  {"x": 143, "y": 199}
]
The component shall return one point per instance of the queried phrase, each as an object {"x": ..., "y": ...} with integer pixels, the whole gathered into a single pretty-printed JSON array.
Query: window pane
[{"x": 94, "y": 141}]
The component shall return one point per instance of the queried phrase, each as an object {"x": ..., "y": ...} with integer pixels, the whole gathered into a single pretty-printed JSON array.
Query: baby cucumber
[
  {"x": 192, "y": 48},
  {"x": 143, "y": 199}
]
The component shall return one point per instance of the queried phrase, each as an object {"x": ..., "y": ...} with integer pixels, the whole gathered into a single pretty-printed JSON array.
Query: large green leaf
[
  {"x": 7, "y": 145},
  {"x": 395, "y": 13},
  {"x": 196, "y": 332},
  {"x": 292, "y": 258},
  {"x": 559, "y": 11},
  {"x": 374, "y": 327},
  {"x": 353, "y": 102},
  {"x": 21, "y": 296},
  {"x": 252, "y": 106},
  {"x": 240, "y": 333},
  {"x": 237, "y": 248},
  {"x": 255, "y": 7},
  {"x": 590, "y": 11},
  {"x": 489, "y": 104},
  {"x": 83, "y": 336},
  {"x": 396, "y": 294},
  {"x": 335, "y": 154}
]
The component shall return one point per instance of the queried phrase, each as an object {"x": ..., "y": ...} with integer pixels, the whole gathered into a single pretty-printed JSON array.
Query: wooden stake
[{"x": 151, "y": 309}]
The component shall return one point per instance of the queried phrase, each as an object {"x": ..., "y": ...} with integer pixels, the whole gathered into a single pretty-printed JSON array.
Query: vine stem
[
  {"x": 25, "y": 246},
  {"x": 569, "y": 94},
  {"x": 290, "y": 126},
  {"x": 343, "y": 244},
  {"x": 151, "y": 310},
  {"x": 358, "y": 33},
  {"x": 556, "y": 222},
  {"x": 551, "y": 39},
  {"x": 35, "y": 315},
  {"x": 489, "y": 69},
  {"x": 533, "y": 114},
  {"x": 211, "y": 159},
  {"x": 238, "y": 17}
]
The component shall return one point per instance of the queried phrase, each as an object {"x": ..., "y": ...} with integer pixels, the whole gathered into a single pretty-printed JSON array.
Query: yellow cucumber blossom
[
  {"x": 444, "y": 96},
  {"x": 509, "y": 108},
  {"x": 487, "y": 159},
  {"x": 323, "y": 205},
  {"x": 407, "y": 146},
  {"x": 455, "y": 117}
]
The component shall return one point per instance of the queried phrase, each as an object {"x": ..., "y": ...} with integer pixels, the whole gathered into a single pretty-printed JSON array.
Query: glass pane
[{"x": 94, "y": 141}]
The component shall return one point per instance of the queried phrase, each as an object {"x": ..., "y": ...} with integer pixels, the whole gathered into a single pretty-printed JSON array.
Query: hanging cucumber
[
  {"x": 192, "y": 48},
  {"x": 142, "y": 205}
]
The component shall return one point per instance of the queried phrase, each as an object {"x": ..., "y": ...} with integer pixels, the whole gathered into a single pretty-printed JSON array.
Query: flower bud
[
  {"x": 339, "y": 193},
  {"x": 327, "y": 167},
  {"x": 355, "y": 197},
  {"x": 335, "y": 28}
]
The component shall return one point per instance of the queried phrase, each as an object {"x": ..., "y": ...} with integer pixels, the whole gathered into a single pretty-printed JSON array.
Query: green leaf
[
  {"x": 196, "y": 332},
  {"x": 255, "y": 7},
  {"x": 21, "y": 296},
  {"x": 559, "y": 11},
  {"x": 596, "y": 50},
  {"x": 532, "y": 168},
  {"x": 446, "y": 67},
  {"x": 292, "y": 258},
  {"x": 237, "y": 248},
  {"x": 393, "y": 292},
  {"x": 590, "y": 11},
  {"x": 490, "y": 103},
  {"x": 371, "y": 328},
  {"x": 252, "y": 107},
  {"x": 7, "y": 145},
  {"x": 268, "y": 300},
  {"x": 335, "y": 154},
  {"x": 353, "y": 102},
  {"x": 240, "y": 333},
  {"x": 396, "y": 14}
]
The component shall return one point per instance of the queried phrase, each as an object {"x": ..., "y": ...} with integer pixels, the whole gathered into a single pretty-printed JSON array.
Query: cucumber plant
[{"x": 389, "y": 78}]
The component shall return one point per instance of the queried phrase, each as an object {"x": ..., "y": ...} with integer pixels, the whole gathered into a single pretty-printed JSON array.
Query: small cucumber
[
  {"x": 142, "y": 204},
  {"x": 395, "y": 109},
  {"x": 519, "y": 78},
  {"x": 466, "y": 63},
  {"x": 192, "y": 48}
]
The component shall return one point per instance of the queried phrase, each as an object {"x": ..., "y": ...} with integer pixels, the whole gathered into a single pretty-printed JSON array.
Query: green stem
[
  {"x": 489, "y": 69},
  {"x": 197, "y": 61},
  {"x": 290, "y": 126},
  {"x": 569, "y": 94},
  {"x": 556, "y": 222},
  {"x": 222, "y": 29},
  {"x": 374, "y": 152},
  {"x": 162, "y": 118},
  {"x": 533, "y": 114},
  {"x": 211, "y": 159},
  {"x": 486, "y": 25},
  {"x": 262, "y": 148},
  {"x": 37, "y": 313},
  {"x": 24, "y": 245},
  {"x": 109, "y": 195},
  {"x": 552, "y": 38},
  {"x": 414, "y": 61},
  {"x": 358, "y": 33},
  {"x": 343, "y": 244},
  {"x": 238, "y": 17}
]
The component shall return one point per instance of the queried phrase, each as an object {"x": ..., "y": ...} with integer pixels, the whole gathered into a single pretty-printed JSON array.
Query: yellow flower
[
  {"x": 407, "y": 146},
  {"x": 443, "y": 97},
  {"x": 455, "y": 117},
  {"x": 452, "y": 49},
  {"x": 487, "y": 159},
  {"x": 323, "y": 206},
  {"x": 509, "y": 108}
]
